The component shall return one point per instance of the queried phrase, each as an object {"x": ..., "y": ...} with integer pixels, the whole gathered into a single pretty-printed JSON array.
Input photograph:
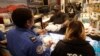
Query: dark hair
[
  {"x": 20, "y": 16},
  {"x": 75, "y": 30},
  {"x": 57, "y": 8}
]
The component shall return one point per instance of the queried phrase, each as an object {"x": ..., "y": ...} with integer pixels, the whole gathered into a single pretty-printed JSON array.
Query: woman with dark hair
[{"x": 74, "y": 43}]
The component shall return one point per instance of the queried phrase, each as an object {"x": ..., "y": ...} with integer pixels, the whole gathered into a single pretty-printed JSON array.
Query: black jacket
[
  {"x": 59, "y": 18},
  {"x": 73, "y": 48}
]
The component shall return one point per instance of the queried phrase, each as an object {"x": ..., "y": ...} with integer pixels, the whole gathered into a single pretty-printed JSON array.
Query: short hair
[
  {"x": 75, "y": 30},
  {"x": 57, "y": 8},
  {"x": 20, "y": 16}
]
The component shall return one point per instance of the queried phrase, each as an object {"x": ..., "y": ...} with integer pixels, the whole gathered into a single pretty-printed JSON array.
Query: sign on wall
[{"x": 35, "y": 2}]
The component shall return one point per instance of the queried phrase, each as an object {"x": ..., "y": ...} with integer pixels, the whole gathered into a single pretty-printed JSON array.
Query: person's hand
[
  {"x": 49, "y": 44},
  {"x": 41, "y": 31},
  {"x": 87, "y": 31},
  {"x": 65, "y": 23},
  {"x": 3, "y": 42}
]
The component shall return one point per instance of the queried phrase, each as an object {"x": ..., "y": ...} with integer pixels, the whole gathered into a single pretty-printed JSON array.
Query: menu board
[{"x": 35, "y": 2}]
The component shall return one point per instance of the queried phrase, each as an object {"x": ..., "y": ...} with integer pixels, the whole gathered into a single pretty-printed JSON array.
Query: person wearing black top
[
  {"x": 59, "y": 18},
  {"x": 74, "y": 43}
]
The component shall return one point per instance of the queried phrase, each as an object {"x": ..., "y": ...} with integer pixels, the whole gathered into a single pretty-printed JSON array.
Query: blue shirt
[{"x": 24, "y": 42}]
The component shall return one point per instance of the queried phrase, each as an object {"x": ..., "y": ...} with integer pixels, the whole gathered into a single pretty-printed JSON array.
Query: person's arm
[
  {"x": 41, "y": 31},
  {"x": 47, "y": 52},
  {"x": 65, "y": 23},
  {"x": 37, "y": 49}
]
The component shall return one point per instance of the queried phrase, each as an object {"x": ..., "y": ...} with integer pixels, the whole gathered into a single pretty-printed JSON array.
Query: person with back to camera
[
  {"x": 74, "y": 43},
  {"x": 22, "y": 40}
]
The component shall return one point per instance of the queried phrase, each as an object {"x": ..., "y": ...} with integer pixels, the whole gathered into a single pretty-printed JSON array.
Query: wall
[{"x": 4, "y": 3}]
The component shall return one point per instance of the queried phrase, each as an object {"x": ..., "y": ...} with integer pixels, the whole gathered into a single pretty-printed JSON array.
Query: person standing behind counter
[
  {"x": 74, "y": 43},
  {"x": 22, "y": 41},
  {"x": 58, "y": 22}
]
